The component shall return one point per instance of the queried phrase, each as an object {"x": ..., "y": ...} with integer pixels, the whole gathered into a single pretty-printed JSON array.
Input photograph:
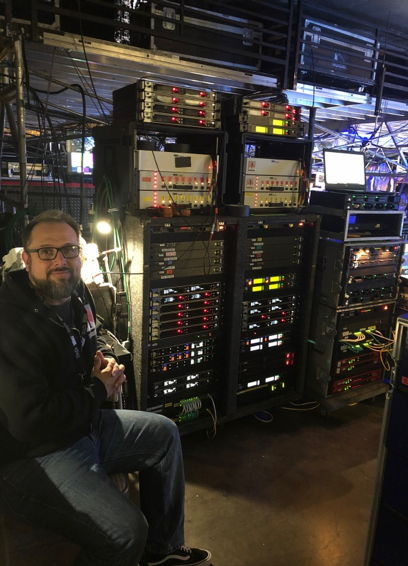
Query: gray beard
[{"x": 55, "y": 290}]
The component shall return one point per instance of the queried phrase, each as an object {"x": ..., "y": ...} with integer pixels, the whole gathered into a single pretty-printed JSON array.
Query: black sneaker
[{"x": 181, "y": 556}]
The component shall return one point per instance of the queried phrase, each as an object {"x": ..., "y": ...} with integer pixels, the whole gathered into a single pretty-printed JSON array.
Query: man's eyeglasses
[{"x": 48, "y": 253}]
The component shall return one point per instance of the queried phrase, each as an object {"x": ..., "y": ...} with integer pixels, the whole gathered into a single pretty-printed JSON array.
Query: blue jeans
[{"x": 69, "y": 491}]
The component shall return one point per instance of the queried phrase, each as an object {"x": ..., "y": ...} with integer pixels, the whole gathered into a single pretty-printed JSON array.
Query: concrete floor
[{"x": 297, "y": 491}]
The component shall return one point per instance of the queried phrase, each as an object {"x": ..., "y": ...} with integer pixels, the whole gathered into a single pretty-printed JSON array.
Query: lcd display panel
[
  {"x": 344, "y": 170},
  {"x": 80, "y": 162}
]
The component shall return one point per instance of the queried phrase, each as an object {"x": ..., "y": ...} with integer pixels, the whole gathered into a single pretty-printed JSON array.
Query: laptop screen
[{"x": 344, "y": 170}]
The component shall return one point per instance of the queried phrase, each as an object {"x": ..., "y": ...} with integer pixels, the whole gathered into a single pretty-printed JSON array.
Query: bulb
[{"x": 103, "y": 227}]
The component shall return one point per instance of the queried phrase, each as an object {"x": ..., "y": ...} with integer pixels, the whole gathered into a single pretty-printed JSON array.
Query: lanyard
[
  {"x": 87, "y": 329},
  {"x": 77, "y": 341}
]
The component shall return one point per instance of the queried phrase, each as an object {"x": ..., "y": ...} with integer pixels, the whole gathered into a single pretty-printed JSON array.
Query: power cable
[{"x": 87, "y": 61}]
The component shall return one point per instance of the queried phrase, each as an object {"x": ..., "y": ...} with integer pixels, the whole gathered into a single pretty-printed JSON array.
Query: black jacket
[{"x": 48, "y": 398}]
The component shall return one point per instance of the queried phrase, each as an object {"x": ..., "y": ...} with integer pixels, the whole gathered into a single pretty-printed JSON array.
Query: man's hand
[{"x": 109, "y": 372}]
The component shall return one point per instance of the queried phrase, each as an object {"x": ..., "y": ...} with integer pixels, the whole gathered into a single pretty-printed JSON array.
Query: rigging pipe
[
  {"x": 344, "y": 137},
  {"x": 22, "y": 149},
  {"x": 401, "y": 153}
]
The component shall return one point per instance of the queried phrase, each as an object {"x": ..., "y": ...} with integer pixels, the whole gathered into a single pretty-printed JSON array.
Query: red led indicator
[
  {"x": 175, "y": 99},
  {"x": 175, "y": 89},
  {"x": 202, "y": 93},
  {"x": 265, "y": 104}
]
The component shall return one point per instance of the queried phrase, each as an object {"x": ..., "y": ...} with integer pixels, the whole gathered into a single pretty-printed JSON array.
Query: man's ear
[{"x": 26, "y": 259}]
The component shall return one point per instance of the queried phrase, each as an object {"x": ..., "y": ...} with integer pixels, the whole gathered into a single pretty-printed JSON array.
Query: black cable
[
  {"x": 83, "y": 132},
  {"x": 60, "y": 168},
  {"x": 27, "y": 74},
  {"x": 87, "y": 61},
  {"x": 81, "y": 178},
  {"x": 51, "y": 92}
]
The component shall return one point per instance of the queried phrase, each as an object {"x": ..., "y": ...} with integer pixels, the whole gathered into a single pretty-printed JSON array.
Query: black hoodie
[{"x": 48, "y": 398}]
